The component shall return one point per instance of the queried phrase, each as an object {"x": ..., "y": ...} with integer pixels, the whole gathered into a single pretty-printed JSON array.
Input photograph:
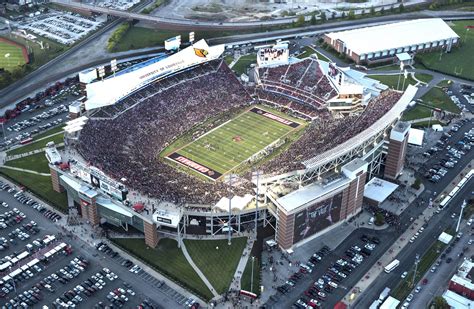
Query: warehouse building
[{"x": 382, "y": 43}]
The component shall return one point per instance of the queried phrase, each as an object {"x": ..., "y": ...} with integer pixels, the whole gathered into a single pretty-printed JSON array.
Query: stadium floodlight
[
  {"x": 101, "y": 72},
  {"x": 113, "y": 65},
  {"x": 191, "y": 37}
]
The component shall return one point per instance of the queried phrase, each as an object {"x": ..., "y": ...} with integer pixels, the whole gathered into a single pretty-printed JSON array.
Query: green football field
[
  {"x": 15, "y": 57},
  {"x": 233, "y": 142}
]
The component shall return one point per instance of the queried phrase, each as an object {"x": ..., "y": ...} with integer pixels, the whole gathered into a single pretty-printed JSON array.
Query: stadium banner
[
  {"x": 277, "y": 118},
  {"x": 317, "y": 217},
  {"x": 176, "y": 157},
  {"x": 99, "y": 94}
]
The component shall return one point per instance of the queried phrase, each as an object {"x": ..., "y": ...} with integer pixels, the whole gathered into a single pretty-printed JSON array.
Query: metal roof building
[{"x": 370, "y": 44}]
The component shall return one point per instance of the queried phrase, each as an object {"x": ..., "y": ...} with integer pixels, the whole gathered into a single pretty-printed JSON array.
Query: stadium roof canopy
[
  {"x": 395, "y": 35},
  {"x": 310, "y": 194},
  {"x": 378, "y": 189},
  {"x": 237, "y": 202},
  {"x": 457, "y": 301},
  {"x": 110, "y": 91}
]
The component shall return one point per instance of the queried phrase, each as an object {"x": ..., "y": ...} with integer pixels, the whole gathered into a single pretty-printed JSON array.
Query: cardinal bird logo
[{"x": 201, "y": 52}]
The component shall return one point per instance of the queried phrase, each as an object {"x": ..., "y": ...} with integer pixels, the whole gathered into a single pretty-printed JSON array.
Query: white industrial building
[{"x": 384, "y": 42}]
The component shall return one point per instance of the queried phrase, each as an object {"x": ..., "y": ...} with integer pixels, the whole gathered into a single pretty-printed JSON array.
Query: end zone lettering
[
  {"x": 194, "y": 165},
  {"x": 275, "y": 117}
]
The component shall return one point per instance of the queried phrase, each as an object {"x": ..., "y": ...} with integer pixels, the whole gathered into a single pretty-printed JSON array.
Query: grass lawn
[
  {"x": 245, "y": 282},
  {"x": 168, "y": 259},
  {"x": 424, "y": 124},
  {"x": 454, "y": 63},
  {"x": 392, "y": 80},
  {"x": 140, "y": 37},
  {"x": 389, "y": 67},
  {"x": 57, "y": 139},
  {"x": 218, "y": 265},
  {"x": 308, "y": 51},
  {"x": 228, "y": 59},
  {"x": 39, "y": 185},
  {"x": 15, "y": 55},
  {"x": 228, "y": 145},
  {"x": 243, "y": 63},
  {"x": 36, "y": 162},
  {"x": 417, "y": 112},
  {"x": 445, "y": 83},
  {"x": 426, "y": 78},
  {"x": 438, "y": 98},
  {"x": 404, "y": 287}
]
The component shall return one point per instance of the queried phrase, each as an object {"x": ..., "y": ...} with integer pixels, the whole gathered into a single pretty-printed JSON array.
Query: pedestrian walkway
[
  {"x": 246, "y": 254},
  {"x": 25, "y": 170},
  {"x": 198, "y": 271},
  {"x": 30, "y": 153}
]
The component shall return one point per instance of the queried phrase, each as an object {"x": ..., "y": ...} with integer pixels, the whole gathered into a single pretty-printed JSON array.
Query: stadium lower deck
[
  {"x": 125, "y": 140},
  {"x": 238, "y": 140}
]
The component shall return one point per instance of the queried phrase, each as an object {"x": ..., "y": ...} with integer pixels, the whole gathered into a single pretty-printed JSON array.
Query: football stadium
[{"x": 179, "y": 145}]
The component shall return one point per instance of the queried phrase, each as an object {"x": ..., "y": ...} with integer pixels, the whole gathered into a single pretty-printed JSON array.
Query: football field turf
[
  {"x": 14, "y": 55},
  {"x": 227, "y": 146}
]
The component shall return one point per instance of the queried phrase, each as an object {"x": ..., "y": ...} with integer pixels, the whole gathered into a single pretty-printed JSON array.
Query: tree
[
  {"x": 382, "y": 10},
  {"x": 333, "y": 15},
  {"x": 372, "y": 10},
  {"x": 313, "y": 19},
  {"x": 300, "y": 21},
  {"x": 379, "y": 219},
  {"x": 351, "y": 15},
  {"x": 401, "y": 8},
  {"x": 343, "y": 15},
  {"x": 439, "y": 303},
  {"x": 323, "y": 17},
  {"x": 362, "y": 13}
]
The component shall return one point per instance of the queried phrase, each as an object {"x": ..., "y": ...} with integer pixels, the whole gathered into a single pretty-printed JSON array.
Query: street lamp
[
  {"x": 460, "y": 215},
  {"x": 417, "y": 260},
  {"x": 251, "y": 278}
]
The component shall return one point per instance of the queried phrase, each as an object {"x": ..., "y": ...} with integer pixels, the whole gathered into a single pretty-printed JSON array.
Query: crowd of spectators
[
  {"x": 129, "y": 144},
  {"x": 125, "y": 140},
  {"x": 303, "y": 81},
  {"x": 327, "y": 132}
]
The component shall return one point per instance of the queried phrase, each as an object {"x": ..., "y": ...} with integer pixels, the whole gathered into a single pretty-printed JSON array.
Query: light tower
[{"x": 463, "y": 205}]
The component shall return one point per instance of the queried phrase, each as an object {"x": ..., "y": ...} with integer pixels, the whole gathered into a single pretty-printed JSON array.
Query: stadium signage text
[
  {"x": 275, "y": 117},
  {"x": 194, "y": 165}
]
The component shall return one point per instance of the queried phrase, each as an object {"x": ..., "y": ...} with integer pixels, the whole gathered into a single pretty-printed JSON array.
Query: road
[
  {"x": 193, "y": 25},
  {"x": 57, "y": 70}
]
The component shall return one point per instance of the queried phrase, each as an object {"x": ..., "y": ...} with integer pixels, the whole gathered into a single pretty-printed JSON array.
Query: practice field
[
  {"x": 11, "y": 54},
  {"x": 227, "y": 146}
]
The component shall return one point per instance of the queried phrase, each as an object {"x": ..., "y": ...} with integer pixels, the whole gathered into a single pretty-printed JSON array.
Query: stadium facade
[
  {"x": 384, "y": 42},
  {"x": 315, "y": 192}
]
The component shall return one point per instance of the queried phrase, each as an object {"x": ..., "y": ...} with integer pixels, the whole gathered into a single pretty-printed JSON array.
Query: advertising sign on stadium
[
  {"x": 173, "y": 43},
  {"x": 317, "y": 217},
  {"x": 271, "y": 56},
  {"x": 99, "y": 94},
  {"x": 335, "y": 74},
  {"x": 80, "y": 172}
]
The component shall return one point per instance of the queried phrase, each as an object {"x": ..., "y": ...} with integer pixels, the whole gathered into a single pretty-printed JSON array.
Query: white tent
[
  {"x": 437, "y": 127},
  {"x": 415, "y": 137},
  {"x": 445, "y": 238}
]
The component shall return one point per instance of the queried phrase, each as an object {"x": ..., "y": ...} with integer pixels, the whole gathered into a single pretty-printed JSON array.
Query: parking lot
[
  {"x": 64, "y": 27},
  {"x": 114, "y": 4},
  {"x": 55, "y": 268}
]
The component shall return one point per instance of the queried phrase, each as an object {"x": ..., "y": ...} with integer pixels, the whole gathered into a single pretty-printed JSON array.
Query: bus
[{"x": 394, "y": 264}]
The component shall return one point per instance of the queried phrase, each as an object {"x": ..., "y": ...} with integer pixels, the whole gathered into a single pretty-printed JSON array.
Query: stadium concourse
[{"x": 311, "y": 173}]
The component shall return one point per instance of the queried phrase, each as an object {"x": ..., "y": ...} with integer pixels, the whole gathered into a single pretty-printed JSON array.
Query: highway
[
  {"x": 46, "y": 74},
  {"x": 193, "y": 25}
]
